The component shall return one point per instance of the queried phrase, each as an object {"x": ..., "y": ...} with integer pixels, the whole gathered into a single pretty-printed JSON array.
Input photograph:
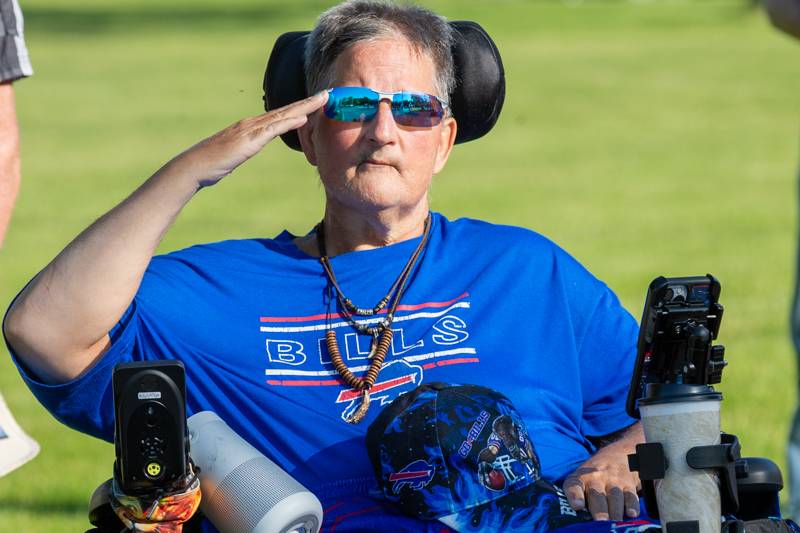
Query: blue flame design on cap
[{"x": 484, "y": 470}]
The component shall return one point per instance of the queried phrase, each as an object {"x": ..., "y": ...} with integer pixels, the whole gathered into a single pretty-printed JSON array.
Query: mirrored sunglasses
[{"x": 360, "y": 104}]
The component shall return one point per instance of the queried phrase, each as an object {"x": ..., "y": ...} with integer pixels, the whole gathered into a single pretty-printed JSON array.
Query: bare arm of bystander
[{"x": 9, "y": 156}]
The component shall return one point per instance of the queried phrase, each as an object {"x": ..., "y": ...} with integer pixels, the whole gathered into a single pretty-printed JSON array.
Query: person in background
[
  {"x": 14, "y": 64},
  {"x": 16, "y": 447},
  {"x": 785, "y": 15}
]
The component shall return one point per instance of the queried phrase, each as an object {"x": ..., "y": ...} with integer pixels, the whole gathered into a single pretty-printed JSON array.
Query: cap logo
[
  {"x": 474, "y": 431},
  {"x": 507, "y": 457},
  {"x": 415, "y": 476}
]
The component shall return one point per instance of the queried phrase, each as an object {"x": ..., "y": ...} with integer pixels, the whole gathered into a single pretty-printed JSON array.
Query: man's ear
[
  {"x": 447, "y": 139},
  {"x": 306, "y": 135}
]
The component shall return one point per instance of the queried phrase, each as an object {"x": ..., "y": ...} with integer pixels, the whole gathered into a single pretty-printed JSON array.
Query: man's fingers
[
  {"x": 311, "y": 103},
  {"x": 279, "y": 127},
  {"x": 220, "y": 154},
  {"x": 612, "y": 503},
  {"x": 303, "y": 107},
  {"x": 598, "y": 505},
  {"x": 616, "y": 503},
  {"x": 631, "y": 504},
  {"x": 573, "y": 488}
]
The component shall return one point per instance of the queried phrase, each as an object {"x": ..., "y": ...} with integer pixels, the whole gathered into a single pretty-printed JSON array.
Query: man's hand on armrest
[{"x": 604, "y": 484}]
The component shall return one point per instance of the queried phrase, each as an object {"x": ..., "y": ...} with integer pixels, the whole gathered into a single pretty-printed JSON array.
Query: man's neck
[{"x": 350, "y": 231}]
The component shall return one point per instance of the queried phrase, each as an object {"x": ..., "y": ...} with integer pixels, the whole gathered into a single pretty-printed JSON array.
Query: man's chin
[
  {"x": 375, "y": 188},
  {"x": 374, "y": 198}
]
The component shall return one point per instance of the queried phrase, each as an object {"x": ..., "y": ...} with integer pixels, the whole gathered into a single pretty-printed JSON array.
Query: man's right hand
[
  {"x": 213, "y": 158},
  {"x": 59, "y": 325}
]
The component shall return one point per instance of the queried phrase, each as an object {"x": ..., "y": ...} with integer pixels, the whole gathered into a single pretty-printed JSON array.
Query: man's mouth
[{"x": 376, "y": 162}]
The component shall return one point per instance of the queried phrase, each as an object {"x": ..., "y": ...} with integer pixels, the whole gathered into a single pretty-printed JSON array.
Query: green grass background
[{"x": 647, "y": 138}]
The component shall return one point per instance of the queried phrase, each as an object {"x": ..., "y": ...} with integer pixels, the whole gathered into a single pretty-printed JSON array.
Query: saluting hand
[
  {"x": 213, "y": 158},
  {"x": 85, "y": 290}
]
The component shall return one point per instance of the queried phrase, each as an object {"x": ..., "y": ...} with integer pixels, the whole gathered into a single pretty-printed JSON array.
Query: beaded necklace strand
[{"x": 381, "y": 333}]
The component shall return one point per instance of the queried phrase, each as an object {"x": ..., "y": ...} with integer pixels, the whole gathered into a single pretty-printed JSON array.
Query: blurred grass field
[{"x": 647, "y": 138}]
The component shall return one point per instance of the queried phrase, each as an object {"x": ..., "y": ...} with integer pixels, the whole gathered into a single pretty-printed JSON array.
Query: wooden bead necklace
[{"x": 381, "y": 333}]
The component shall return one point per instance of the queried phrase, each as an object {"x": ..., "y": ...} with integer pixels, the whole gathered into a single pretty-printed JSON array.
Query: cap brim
[{"x": 535, "y": 507}]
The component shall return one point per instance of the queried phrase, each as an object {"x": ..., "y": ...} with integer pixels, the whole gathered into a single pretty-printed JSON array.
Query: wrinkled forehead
[{"x": 387, "y": 63}]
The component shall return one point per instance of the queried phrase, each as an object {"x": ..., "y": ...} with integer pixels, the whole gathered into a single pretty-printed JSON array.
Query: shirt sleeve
[
  {"x": 152, "y": 328},
  {"x": 86, "y": 402},
  {"x": 607, "y": 353},
  {"x": 14, "y": 61}
]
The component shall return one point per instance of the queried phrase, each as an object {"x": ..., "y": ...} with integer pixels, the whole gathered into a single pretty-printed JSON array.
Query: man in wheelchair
[{"x": 292, "y": 339}]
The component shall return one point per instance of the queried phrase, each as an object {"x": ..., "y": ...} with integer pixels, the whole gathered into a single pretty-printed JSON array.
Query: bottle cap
[{"x": 660, "y": 393}]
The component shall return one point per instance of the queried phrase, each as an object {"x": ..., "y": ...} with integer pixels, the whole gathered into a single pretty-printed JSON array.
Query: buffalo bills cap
[{"x": 461, "y": 454}]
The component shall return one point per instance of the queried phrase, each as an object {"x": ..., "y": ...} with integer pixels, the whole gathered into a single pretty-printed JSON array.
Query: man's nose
[{"x": 382, "y": 128}]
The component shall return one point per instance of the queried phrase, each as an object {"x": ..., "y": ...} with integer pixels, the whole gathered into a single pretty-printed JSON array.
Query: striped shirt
[{"x": 14, "y": 62}]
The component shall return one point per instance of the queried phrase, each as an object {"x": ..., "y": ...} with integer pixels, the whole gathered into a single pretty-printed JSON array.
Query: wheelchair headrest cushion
[{"x": 476, "y": 101}]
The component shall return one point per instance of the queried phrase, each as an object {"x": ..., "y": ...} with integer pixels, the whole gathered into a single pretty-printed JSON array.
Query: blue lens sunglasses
[{"x": 360, "y": 104}]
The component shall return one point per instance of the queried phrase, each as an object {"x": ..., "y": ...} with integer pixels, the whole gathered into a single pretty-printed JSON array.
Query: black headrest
[{"x": 475, "y": 102}]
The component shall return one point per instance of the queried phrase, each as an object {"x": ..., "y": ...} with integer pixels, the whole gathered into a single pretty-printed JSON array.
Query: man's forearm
[
  {"x": 626, "y": 438},
  {"x": 9, "y": 156},
  {"x": 59, "y": 324}
]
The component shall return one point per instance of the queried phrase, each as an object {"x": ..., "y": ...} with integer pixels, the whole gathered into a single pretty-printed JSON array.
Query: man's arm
[
  {"x": 9, "y": 156},
  {"x": 604, "y": 484},
  {"x": 59, "y": 324},
  {"x": 784, "y": 15}
]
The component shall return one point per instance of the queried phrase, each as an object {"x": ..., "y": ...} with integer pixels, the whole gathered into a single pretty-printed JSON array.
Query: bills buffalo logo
[
  {"x": 397, "y": 377},
  {"x": 414, "y": 476}
]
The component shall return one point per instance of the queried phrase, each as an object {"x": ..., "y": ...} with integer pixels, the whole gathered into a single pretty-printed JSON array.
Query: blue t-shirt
[{"x": 493, "y": 305}]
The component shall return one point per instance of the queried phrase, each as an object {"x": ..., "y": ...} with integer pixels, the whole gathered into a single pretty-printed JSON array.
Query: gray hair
[{"x": 354, "y": 21}]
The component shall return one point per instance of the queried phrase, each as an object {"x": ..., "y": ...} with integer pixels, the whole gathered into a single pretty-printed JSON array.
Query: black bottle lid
[{"x": 661, "y": 393}]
